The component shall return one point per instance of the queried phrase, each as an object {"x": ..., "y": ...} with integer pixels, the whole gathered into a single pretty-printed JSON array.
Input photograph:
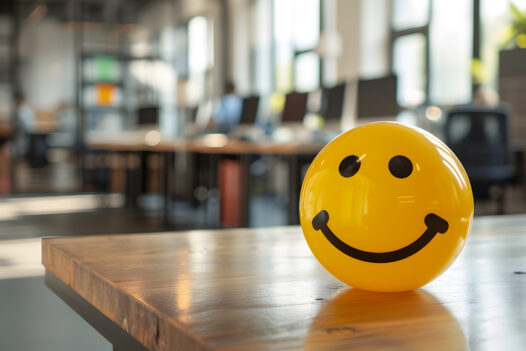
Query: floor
[
  {"x": 32, "y": 317},
  {"x": 60, "y": 176}
]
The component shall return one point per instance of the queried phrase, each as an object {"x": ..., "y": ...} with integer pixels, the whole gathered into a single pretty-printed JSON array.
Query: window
[
  {"x": 307, "y": 71},
  {"x": 296, "y": 33},
  {"x": 200, "y": 54},
  {"x": 284, "y": 54},
  {"x": 451, "y": 38},
  {"x": 410, "y": 50},
  {"x": 432, "y": 50},
  {"x": 261, "y": 49},
  {"x": 410, "y": 14},
  {"x": 409, "y": 63}
]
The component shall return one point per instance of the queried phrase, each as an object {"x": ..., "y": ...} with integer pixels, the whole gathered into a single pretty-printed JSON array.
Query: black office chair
[{"x": 479, "y": 138}]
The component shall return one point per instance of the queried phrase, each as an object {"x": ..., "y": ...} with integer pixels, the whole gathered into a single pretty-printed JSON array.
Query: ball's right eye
[{"x": 349, "y": 166}]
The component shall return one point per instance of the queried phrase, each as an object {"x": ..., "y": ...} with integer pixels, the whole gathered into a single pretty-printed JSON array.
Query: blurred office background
[{"x": 90, "y": 88}]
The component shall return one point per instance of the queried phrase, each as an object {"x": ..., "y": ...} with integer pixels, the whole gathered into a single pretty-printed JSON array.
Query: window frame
[{"x": 396, "y": 34}]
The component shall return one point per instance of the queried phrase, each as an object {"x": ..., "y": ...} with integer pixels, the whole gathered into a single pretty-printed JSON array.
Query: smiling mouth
[{"x": 435, "y": 224}]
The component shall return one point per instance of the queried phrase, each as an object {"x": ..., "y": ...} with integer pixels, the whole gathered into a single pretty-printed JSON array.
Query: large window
[
  {"x": 296, "y": 33},
  {"x": 284, "y": 34},
  {"x": 432, "y": 50},
  {"x": 261, "y": 48},
  {"x": 410, "y": 50},
  {"x": 451, "y": 38},
  {"x": 409, "y": 63},
  {"x": 410, "y": 14},
  {"x": 200, "y": 55}
]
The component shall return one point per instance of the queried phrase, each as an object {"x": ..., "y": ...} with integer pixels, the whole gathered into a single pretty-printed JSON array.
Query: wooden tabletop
[
  {"x": 208, "y": 144},
  {"x": 261, "y": 289}
]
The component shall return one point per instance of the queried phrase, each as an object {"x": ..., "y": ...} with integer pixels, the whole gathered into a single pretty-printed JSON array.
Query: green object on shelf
[{"x": 106, "y": 68}]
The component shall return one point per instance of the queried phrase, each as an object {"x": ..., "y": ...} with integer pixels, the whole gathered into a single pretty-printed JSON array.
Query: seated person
[
  {"x": 229, "y": 113},
  {"x": 24, "y": 125}
]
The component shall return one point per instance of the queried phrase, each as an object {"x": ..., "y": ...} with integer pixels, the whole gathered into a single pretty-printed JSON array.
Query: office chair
[{"x": 479, "y": 138}]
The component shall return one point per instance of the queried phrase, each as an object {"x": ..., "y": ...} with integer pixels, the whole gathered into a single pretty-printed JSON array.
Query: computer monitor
[
  {"x": 249, "y": 109},
  {"x": 332, "y": 102},
  {"x": 147, "y": 115},
  {"x": 377, "y": 97},
  {"x": 295, "y": 107}
]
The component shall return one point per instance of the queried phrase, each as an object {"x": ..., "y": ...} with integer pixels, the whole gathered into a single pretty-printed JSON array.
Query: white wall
[
  {"x": 364, "y": 29},
  {"x": 239, "y": 15},
  {"x": 348, "y": 26},
  {"x": 48, "y": 64},
  {"x": 212, "y": 10}
]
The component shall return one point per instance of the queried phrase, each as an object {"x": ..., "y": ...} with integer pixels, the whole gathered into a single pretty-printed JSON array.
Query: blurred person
[
  {"x": 229, "y": 113},
  {"x": 24, "y": 125}
]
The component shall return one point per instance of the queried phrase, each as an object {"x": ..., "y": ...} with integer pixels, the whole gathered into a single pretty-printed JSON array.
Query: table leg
[
  {"x": 213, "y": 183},
  {"x": 128, "y": 179},
  {"x": 245, "y": 189},
  {"x": 294, "y": 188},
  {"x": 133, "y": 179},
  {"x": 167, "y": 179}
]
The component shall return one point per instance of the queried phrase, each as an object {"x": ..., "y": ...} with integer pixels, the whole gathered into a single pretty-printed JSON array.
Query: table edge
[{"x": 172, "y": 331}]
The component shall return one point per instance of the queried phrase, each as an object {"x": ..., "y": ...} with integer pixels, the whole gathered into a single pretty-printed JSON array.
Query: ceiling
[{"x": 104, "y": 11}]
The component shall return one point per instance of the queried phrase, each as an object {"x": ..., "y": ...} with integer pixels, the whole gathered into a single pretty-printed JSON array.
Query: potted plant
[{"x": 512, "y": 58}]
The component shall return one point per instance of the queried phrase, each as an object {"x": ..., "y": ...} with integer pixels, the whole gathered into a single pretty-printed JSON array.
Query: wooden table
[
  {"x": 261, "y": 289},
  {"x": 211, "y": 144}
]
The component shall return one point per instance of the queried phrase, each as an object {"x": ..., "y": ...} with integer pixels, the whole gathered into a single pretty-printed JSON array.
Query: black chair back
[{"x": 479, "y": 137}]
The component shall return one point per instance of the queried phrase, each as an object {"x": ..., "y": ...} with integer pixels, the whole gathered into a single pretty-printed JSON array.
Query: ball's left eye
[
  {"x": 400, "y": 166},
  {"x": 349, "y": 166}
]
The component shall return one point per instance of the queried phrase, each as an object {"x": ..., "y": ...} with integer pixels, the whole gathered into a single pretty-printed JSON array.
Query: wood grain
[
  {"x": 136, "y": 142},
  {"x": 261, "y": 289}
]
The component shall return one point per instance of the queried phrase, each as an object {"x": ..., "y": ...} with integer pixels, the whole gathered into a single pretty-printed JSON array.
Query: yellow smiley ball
[{"x": 386, "y": 207}]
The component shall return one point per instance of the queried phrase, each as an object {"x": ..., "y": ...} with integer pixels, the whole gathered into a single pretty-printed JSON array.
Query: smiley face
[{"x": 386, "y": 207}]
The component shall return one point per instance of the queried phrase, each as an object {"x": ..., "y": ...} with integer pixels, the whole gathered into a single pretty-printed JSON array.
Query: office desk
[
  {"x": 209, "y": 144},
  {"x": 214, "y": 146},
  {"x": 261, "y": 289}
]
